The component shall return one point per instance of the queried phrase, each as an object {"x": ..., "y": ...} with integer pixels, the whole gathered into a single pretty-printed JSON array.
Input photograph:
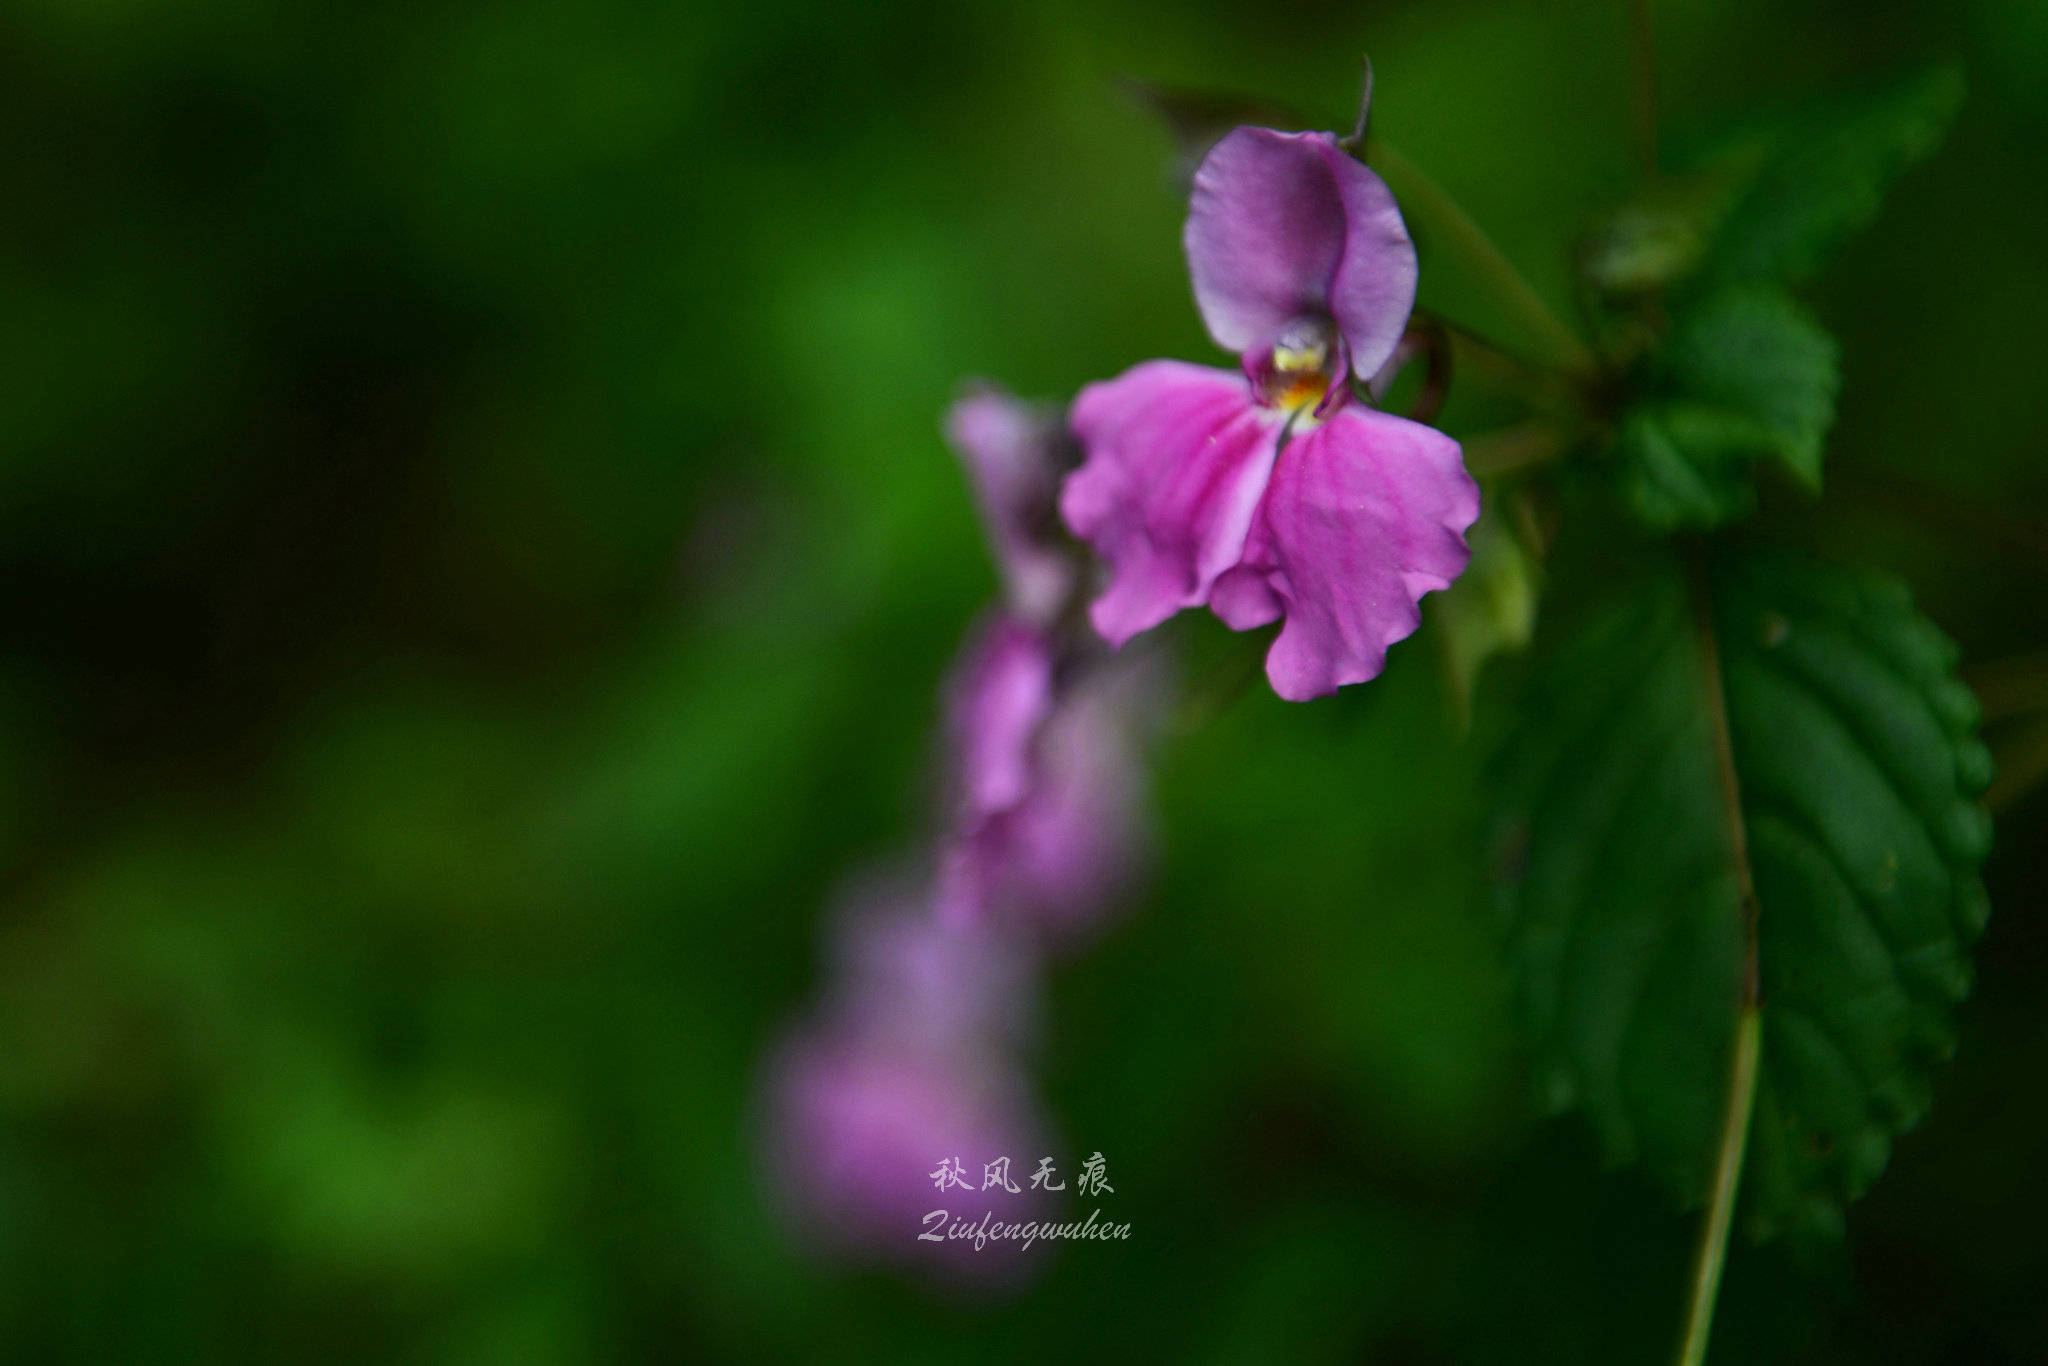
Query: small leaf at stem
[{"x": 1746, "y": 375}]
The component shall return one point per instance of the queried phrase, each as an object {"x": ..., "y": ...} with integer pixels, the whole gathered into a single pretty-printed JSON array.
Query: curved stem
[
  {"x": 1740, "y": 1101},
  {"x": 1515, "y": 293}
]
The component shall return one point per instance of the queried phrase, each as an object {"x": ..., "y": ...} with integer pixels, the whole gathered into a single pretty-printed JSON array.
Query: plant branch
[
  {"x": 1513, "y": 449},
  {"x": 1544, "y": 388},
  {"x": 1712, "y": 1252},
  {"x": 1479, "y": 251}
]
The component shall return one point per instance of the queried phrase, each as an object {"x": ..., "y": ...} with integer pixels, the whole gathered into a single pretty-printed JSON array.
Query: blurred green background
[{"x": 479, "y": 565}]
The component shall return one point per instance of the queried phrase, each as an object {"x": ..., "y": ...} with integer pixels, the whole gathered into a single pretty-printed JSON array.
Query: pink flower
[
  {"x": 1016, "y": 453},
  {"x": 913, "y": 1059},
  {"x": 1049, "y": 826},
  {"x": 1270, "y": 494},
  {"x": 1046, "y": 825}
]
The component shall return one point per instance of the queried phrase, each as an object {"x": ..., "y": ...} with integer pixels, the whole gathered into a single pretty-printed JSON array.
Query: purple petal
[
  {"x": 1047, "y": 828},
  {"x": 1001, "y": 691},
  {"x": 1015, "y": 453},
  {"x": 1365, "y": 514},
  {"x": 1177, "y": 458},
  {"x": 913, "y": 1058},
  {"x": 1245, "y": 600},
  {"x": 1077, "y": 842},
  {"x": 1060, "y": 858},
  {"x": 855, "y": 1131},
  {"x": 912, "y": 979},
  {"x": 1373, "y": 292},
  {"x": 1283, "y": 225}
]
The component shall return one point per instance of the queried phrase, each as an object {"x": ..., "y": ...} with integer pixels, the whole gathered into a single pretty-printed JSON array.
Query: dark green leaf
[
  {"x": 1746, "y": 375},
  {"x": 1824, "y": 177},
  {"x": 1854, "y": 754}
]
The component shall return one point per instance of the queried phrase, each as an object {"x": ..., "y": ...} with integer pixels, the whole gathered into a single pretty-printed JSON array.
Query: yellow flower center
[{"x": 1301, "y": 368}]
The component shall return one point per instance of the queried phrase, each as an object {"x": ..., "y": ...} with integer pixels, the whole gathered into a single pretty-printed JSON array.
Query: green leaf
[
  {"x": 1853, "y": 753},
  {"x": 1824, "y": 177},
  {"x": 1746, "y": 375}
]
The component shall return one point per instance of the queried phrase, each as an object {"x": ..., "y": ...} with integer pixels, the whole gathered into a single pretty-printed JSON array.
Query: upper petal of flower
[
  {"x": 1177, "y": 458},
  {"x": 1365, "y": 514},
  {"x": 1286, "y": 224},
  {"x": 1015, "y": 453}
]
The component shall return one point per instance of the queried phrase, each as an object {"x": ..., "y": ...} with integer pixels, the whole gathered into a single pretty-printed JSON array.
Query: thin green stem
[
  {"x": 1565, "y": 397},
  {"x": 1513, "y": 449},
  {"x": 1712, "y": 1253},
  {"x": 1430, "y": 202},
  {"x": 1491, "y": 356},
  {"x": 1740, "y": 1101}
]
